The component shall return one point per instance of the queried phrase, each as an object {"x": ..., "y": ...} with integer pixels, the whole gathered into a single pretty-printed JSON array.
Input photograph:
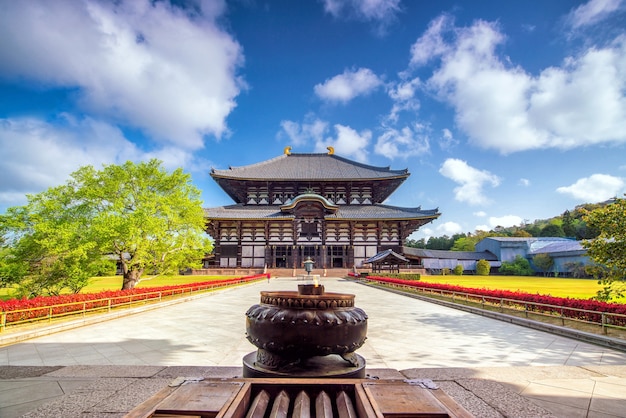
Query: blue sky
[{"x": 502, "y": 111}]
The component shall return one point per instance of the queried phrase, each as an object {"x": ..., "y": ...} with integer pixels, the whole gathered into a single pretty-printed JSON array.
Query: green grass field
[
  {"x": 572, "y": 288},
  {"x": 99, "y": 284}
]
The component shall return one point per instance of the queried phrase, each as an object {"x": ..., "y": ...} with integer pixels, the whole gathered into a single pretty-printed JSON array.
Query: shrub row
[
  {"x": 40, "y": 306},
  {"x": 516, "y": 298},
  {"x": 405, "y": 276}
]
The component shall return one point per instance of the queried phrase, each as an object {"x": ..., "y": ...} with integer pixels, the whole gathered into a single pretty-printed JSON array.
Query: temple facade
[{"x": 320, "y": 206}]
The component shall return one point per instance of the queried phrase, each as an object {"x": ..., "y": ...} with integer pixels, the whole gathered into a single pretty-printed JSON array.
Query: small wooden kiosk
[{"x": 387, "y": 261}]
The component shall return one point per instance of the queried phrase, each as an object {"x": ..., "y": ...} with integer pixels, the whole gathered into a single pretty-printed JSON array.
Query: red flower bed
[
  {"x": 557, "y": 305},
  {"x": 71, "y": 303}
]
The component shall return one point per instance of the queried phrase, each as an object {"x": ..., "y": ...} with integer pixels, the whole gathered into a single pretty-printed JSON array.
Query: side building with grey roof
[
  {"x": 566, "y": 253},
  {"x": 434, "y": 261}
]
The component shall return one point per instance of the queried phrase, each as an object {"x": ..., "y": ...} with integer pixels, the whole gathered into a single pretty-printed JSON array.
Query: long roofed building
[{"x": 321, "y": 206}]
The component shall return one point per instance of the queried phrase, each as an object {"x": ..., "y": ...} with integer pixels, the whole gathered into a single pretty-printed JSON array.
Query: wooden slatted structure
[{"x": 298, "y": 398}]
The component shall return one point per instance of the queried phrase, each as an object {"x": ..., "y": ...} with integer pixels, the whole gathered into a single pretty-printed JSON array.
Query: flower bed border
[
  {"x": 590, "y": 311},
  {"x": 19, "y": 311}
]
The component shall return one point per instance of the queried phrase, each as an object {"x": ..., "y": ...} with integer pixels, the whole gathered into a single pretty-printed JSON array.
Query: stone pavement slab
[{"x": 481, "y": 360}]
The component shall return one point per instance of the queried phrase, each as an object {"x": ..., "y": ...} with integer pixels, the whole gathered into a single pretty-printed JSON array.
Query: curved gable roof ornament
[
  {"x": 331, "y": 150},
  {"x": 287, "y": 151},
  {"x": 309, "y": 197}
]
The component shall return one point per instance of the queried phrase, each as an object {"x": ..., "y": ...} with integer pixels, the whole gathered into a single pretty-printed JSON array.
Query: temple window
[
  {"x": 277, "y": 197},
  {"x": 367, "y": 196},
  {"x": 341, "y": 197}
]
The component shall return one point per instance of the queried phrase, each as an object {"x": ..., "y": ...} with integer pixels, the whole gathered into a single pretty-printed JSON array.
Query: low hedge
[{"x": 405, "y": 276}]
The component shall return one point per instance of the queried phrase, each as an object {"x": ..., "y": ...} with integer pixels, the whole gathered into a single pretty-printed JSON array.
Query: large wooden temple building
[{"x": 320, "y": 206}]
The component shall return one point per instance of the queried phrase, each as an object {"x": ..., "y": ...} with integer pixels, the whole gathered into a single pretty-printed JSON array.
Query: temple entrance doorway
[
  {"x": 336, "y": 255},
  {"x": 282, "y": 256}
]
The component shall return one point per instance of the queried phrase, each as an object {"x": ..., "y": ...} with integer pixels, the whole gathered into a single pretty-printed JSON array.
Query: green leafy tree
[
  {"x": 533, "y": 230},
  {"x": 440, "y": 243},
  {"x": 149, "y": 220},
  {"x": 45, "y": 252},
  {"x": 420, "y": 243},
  {"x": 483, "y": 268},
  {"x": 521, "y": 233},
  {"x": 543, "y": 262},
  {"x": 518, "y": 267},
  {"x": 464, "y": 244},
  {"x": 576, "y": 269},
  {"x": 458, "y": 270},
  {"x": 608, "y": 250},
  {"x": 569, "y": 229},
  {"x": 552, "y": 230}
]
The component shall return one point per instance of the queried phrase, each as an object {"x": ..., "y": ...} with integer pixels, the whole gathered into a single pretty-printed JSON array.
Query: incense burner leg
[
  {"x": 272, "y": 361},
  {"x": 351, "y": 358}
]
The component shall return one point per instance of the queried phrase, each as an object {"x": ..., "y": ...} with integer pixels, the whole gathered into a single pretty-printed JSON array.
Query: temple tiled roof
[
  {"x": 242, "y": 212},
  {"x": 327, "y": 167},
  {"x": 382, "y": 212},
  {"x": 387, "y": 254}
]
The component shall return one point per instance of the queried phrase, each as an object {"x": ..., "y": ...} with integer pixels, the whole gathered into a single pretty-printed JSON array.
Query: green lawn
[
  {"x": 115, "y": 282},
  {"x": 573, "y": 288},
  {"x": 99, "y": 284}
]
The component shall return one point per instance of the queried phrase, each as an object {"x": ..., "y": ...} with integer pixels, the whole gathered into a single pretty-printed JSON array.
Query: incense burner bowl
[{"x": 288, "y": 328}]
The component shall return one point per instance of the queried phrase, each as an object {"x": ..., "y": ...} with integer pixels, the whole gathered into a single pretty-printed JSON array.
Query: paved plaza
[{"x": 465, "y": 353}]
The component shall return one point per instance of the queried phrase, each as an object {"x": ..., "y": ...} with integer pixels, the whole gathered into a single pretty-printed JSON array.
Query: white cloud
[
  {"x": 348, "y": 142},
  {"x": 345, "y": 87},
  {"x": 147, "y": 64},
  {"x": 480, "y": 214},
  {"x": 595, "y": 188},
  {"x": 505, "y": 221},
  {"x": 403, "y": 96},
  {"x": 37, "y": 155},
  {"x": 431, "y": 44},
  {"x": 406, "y": 142},
  {"x": 524, "y": 182},
  {"x": 592, "y": 12},
  {"x": 470, "y": 179},
  {"x": 447, "y": 228},
  {"x": 27, "y": 168},
  {"x": 447, "y": 140},
  {"x": 300, "y": 134},
  {"x": 502, "y": 221},
  {"x": 579, "y": 103},
  {"x": 381, "y": 12}
]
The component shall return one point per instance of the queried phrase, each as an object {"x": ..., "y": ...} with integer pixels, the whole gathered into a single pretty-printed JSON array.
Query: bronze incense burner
[{"x": 292, "y": 329}]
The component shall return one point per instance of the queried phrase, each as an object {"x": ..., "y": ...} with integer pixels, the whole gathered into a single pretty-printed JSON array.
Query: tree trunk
[{"x": 131, "y": 278}]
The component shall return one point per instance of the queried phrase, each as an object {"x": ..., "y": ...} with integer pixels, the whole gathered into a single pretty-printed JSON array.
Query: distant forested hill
[{"x": 568, "y": 224}]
